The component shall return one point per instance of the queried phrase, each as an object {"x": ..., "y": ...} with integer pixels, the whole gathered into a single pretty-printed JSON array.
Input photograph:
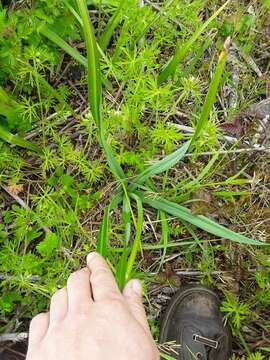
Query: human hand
[{"x": 91, "y": 320}]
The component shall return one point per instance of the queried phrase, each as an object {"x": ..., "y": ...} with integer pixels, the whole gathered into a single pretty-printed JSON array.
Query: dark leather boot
[{"x": 194, "y": 322}]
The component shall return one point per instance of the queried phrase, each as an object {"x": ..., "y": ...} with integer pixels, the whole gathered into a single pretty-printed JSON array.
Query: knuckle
[
  {"x": 101, "y": 272},
  {"x": 57, "y": 294},
  {"x": 76, "y": 276}
]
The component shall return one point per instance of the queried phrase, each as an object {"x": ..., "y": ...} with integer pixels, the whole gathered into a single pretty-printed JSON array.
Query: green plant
[
  {"x": 127, "y": 192},
  {"x": 234, "y": 310},
  {"x": 163, "y": 193},
  {"x": 182, "y": 49}
]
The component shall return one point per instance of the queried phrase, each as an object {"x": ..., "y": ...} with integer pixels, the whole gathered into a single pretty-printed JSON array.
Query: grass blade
[
  {"x": 9, "y": 108},
  {"x": 182, "y": 50},
  {"x": 114, "y": 165},
  {"x": 112, "y": 24},
  {"x": 160, "y": 166},
  {"x": 212, "y": 93},
  {"x": 103, "y": 235},
  {"x": 137, "y": 241},
  {"x": 193, "y": 184},
  {"x": 166, "y": 356},
  {"x": 94, "y": 86},
  {"x": 122, "y": 265},
  {"x": 19, "y": 141},
  {"x": 56, "y": 39},
  {"x": 164, "y": 236},
  {"x": 199, "y": 56},
  {"x": 73, "y": 12},
  {"x": 200, "y": 221},
  {"x": 51, "y": 35},
  {"x": 94, "y": 78}
]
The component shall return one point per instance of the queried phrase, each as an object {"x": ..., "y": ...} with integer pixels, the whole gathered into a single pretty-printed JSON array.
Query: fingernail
[
  {"x": 90, "y": 256},
  {"x": 137, "y": 287}
]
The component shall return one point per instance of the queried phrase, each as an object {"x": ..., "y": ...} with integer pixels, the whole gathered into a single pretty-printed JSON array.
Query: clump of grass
[{"x": 128, "y": 192}]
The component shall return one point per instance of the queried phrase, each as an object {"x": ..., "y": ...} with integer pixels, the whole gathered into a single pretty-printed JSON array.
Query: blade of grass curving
[
  {"x": 94, "y": 76},
  {"x": 164, "y": 236},
  {"x": 193, "y": 234},
  {"x": 9, "y": 107},
  {"x": 166, "y": 356},
  {"x": 122, "y": 265},
  {"x": 160, "y": 166},
  {"x": 196, "y": 59},
  {"x": 191, "y": 185},
  {"x": 182, "y": 49},
  {"x": 111, "y": 26},
  {"x": 51, "y": 35},
  {"x": 94, "y": 86},
  {"x": 200, "y": 221},
  {"x": 113, "y": 164},
  {"x": 73, "y": 12},
  {"x": 8, "y": 137},
  {"x": 212, "y": 92},
  {"x": 103, "y": 235},
  {"x": 161, "y": 246},
  {"x": 137, "y": 240}
]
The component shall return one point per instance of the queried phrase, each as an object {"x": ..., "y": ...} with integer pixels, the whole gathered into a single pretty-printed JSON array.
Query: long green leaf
[
  {"x": 211, "y": 94},
  {"x": 191, "y": 185},
  {"x": 164, "y": 236},
  {"x": 19, "y": 141},
  {"x": 94, "y": 78},
  {"x": 137, "y": 241},
  {"x": 9, "y": 107},
  {"x": 200, "y": 221},
  {"x": 111, "y": 26},
  {"x": 94, "y": 86},
  {"x": 103, "y": 236},
  {"x": 160, "y": 166},
  {"x": 11, "y": 110},
  {"x": 51, "y": 35},
  {"x": 73, "y": 12},
  {"x": 181, "y": 50},
  {"x": 122, "y": 265},
  {"x": 113, "y": 163},
  {"x": 187, "y": 71}
]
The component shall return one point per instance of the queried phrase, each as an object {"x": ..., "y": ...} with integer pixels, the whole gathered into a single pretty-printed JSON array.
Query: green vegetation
[{"x": 141, "y": 171}]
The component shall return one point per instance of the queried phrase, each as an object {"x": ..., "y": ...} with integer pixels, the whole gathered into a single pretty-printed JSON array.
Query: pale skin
[{"x": 90, "y": 319}]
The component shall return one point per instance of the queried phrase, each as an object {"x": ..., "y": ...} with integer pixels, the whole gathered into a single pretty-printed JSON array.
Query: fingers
[
  {"x": 102, "y": 280},
  {"x": 79, "y": 291},
  {"x": 133, "y": 294},
  {"x": 38, "y": 328},
  {"x": 59, "y": 305}
]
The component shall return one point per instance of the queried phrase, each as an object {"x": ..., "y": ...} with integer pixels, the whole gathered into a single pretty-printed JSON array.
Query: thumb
[{"x": 133, "y": 294}]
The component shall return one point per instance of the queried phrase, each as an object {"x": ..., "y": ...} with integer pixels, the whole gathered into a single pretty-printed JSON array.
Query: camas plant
[{"x": 137, "y": 190}]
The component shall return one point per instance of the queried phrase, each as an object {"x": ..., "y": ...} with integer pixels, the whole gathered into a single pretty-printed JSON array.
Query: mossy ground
[{"x": 67, "y": 189}]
